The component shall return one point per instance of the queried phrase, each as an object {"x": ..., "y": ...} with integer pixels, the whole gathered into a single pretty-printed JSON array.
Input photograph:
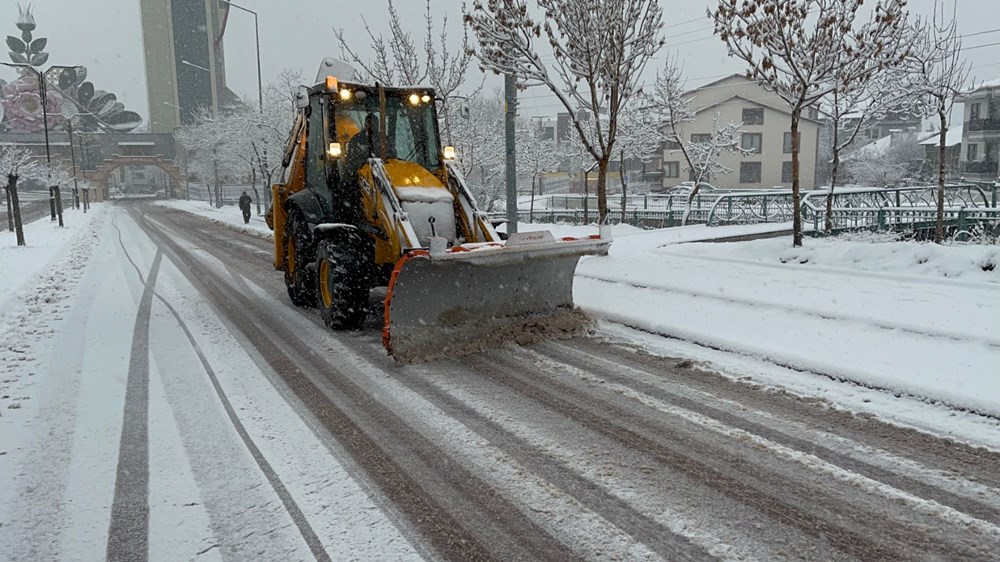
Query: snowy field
[{"x": 905, "y": 330}]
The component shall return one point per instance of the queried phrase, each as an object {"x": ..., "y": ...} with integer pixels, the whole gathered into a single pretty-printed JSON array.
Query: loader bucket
[{"x": 477, "y": 297}]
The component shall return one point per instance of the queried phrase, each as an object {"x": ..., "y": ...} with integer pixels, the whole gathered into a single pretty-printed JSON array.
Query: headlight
[{"x": 449, "y": 153}]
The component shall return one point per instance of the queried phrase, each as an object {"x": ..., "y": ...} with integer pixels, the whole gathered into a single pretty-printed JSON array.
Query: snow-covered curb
[{"x": 228, "y": 216}]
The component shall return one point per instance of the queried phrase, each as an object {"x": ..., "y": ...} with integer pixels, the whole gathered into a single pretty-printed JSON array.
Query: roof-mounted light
[
  {"x": 414, "y": 99},
  {"x": 331, "y": 83},
  {"x": 345, "y": 94}
]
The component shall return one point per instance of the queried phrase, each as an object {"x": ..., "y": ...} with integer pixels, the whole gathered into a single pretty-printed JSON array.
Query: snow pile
[
  {"x": 967, "y": 262},
  {"x": 228, "y": 216}
]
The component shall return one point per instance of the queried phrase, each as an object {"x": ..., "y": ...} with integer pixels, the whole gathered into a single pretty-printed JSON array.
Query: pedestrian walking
[{"x": 245, "y": 201}]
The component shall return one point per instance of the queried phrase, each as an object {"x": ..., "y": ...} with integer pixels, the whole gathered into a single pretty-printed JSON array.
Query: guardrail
[
  {"x": 854, "y": 208},
  {"x": 917, "y": 220}
]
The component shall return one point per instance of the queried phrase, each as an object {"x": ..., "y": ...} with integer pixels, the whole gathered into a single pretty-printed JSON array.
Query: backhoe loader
[{"x": 368, "y": 197}]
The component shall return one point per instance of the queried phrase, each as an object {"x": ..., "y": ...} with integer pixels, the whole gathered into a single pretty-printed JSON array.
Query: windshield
[{"x": 411, "y": 128}]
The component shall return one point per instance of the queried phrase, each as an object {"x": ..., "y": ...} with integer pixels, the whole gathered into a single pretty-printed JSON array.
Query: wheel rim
[{"x": 324, "y": 285}]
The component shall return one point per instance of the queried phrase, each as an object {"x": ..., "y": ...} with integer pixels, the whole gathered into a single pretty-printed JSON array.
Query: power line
[
  {"x": 671, "y": 26},
  {"x": 981, "y": 46},
  {"x": 979, "y": 33},
  {"x": 692, "y": 32},
  {"x": 669, "y": 46}
]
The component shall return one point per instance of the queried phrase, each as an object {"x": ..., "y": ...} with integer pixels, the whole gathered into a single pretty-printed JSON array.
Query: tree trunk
[
  {"x": 253, "y": 185},
  {"x": 602, "y": 189},
  {"x": 621, "y": 177},
  {"x": 939, "y": 227},
  {"x": 834, "y": 168},
  {"x": 796, "y": 217},
  {"x": 15, "y": 208},
  {"x": 10, "y": 211}
]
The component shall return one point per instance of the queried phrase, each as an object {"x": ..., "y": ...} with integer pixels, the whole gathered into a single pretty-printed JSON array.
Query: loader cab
[{"x": 410, "y": 121}]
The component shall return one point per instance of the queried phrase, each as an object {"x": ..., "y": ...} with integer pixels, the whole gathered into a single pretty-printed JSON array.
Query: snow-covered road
[{"x": 180, "y": 408}]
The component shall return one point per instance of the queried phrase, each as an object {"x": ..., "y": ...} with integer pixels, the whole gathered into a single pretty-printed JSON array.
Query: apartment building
[
  {"x": 981, "y": 133},
  {"x": 766, "y": 131}
]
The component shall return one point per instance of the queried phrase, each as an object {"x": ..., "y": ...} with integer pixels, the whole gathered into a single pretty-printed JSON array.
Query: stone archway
[{"x": 99, "y": 176}]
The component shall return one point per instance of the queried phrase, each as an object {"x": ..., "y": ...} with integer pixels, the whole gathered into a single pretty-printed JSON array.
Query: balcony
[
  {"x": 983, "y": 167},
  {"x": 983, "y": 125}
]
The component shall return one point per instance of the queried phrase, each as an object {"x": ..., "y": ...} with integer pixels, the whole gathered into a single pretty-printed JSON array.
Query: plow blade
[{"x": 467, "y": 300}]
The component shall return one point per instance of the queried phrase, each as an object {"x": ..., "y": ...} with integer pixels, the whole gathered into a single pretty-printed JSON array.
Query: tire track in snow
[
  {"x": 294, "y": 511},
  {"x": 128, "y": 533},
  {"x": 410, "y": 470},
  {"x": 623, "y": 377},
  {"x": 822, "y": 512}
]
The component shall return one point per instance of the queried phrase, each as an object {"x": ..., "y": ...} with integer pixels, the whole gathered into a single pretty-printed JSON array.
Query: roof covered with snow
[{"x": 952, "y": 138}]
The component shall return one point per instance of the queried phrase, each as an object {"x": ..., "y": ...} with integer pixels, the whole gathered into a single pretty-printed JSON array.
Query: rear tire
[
  {"x": 300, "y": 272},
  {"x": 342, "y": 283}
]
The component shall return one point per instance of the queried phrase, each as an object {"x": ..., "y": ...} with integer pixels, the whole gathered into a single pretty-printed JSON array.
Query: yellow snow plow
[{"x": 369, "y": 198}]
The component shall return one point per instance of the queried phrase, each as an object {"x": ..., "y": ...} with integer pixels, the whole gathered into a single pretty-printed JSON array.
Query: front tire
[
  {"x": 299, "y": 266},
  {"x": 342, "y": 284}
]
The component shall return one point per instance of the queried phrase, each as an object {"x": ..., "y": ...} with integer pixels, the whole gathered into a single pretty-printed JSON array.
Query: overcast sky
[{"x": 105, "y": 36}]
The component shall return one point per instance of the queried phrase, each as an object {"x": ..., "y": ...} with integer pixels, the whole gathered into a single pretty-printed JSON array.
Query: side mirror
[
  {"x": 302, "y": 97},
  {"x": 463, "y": 110}
]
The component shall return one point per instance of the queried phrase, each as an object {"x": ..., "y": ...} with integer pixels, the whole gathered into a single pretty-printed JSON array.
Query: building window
[
  {"x": 749, "y": 172},
  {"x": 973, "y": 153},
  {"x": 672, "y": 169},
  {"x": 974, "y": 111},
  {"x": 671, "y": 145},
  {"x": 990, "y": 154},
  {"x": 701, "y": 137},
  {"x": 786, "y": 172},
  {"x": 787, "y": 143},
  {"x": 753, "y": 116},
  {"x": 753, "y": 142}
]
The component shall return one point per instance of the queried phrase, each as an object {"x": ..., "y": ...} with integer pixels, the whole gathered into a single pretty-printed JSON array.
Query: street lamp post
[
  {"x": 260, "y": 92},
  {"x": 72, "y": 154},
  {"x": 256, "y": 32},
  {"x": 55, "y": 200}
]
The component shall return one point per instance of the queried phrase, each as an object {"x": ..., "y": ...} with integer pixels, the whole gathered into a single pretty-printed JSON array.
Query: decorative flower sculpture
[{"x": 22, "y": 106}]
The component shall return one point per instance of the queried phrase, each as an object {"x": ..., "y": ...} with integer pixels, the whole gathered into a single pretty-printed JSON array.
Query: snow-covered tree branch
[
  {"x": 802, "y": 50},
  {"x": 600, "y": 49},
  {"x": 17, "y": 163},
  {"x": 938, "y": 73}
]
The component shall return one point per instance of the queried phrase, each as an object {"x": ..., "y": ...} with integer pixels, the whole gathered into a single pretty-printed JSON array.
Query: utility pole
[{"x": 510, "y": 110}]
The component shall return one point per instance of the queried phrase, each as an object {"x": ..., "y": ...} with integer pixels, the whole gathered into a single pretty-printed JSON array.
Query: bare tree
[
  {"x": 882, "y": 166},
  {"x": 600, "y": 47},
  {"x": 16, "y": 163},
  {"x": 938, "y": 74},
  {"x": 701, "y": 157},
  {"x": 480, "y": 146},
  {"x": 640, "y": 138},
  {"x": 397, "y": 61},
  {"x": 796, "y": 49},
  {"x": 852, "y": 108}
]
